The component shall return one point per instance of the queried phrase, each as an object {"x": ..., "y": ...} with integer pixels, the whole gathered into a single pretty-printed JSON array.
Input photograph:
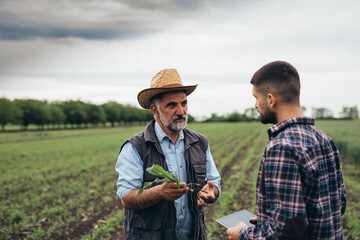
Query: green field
[{"x": 62, "y": 184}]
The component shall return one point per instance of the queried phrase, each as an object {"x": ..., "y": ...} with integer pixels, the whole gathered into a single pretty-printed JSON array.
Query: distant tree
[
  {"x": 95, "y": 114},
  {"x": 145, "y": 115},
  {"x": 131, "y": 114},
  {"x": 40, "y": 113},
  {"x": 75, "y": 112},
  {"x": 121, "y": 113},
  {"x": 215, "y": 118},
  {"x": 251, "y": 114},
  {"x": 350, "y": 112},
  {"x": 56, "y": 115},
  {"x": 33, "y": 112},
  {"x": 9, "y": 112},
  {"x": 46, "y": 118},
  {"x": 112, "y": 111},
  {"x": 212, "y": 118},
  {"x": 322, "y": 113},
  {"x": 235, "y": 117},
  {"x": 190, "y": 118}
]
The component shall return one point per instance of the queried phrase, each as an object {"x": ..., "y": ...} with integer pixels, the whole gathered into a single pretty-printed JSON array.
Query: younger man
[{"x": 300, "y": 192}]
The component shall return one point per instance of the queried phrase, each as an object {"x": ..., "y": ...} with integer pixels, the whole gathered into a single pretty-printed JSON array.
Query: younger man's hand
[{"x": 234, "y": 232}]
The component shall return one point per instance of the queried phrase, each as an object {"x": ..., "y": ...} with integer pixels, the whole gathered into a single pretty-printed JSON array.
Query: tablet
[{"x": 233, "y": 219}]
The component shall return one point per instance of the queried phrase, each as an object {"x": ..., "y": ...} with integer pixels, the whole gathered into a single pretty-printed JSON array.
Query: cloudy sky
[{"x": 101, "y": 50}]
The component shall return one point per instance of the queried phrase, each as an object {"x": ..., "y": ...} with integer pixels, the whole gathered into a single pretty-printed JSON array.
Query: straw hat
[{"x": 167, "y": 80}]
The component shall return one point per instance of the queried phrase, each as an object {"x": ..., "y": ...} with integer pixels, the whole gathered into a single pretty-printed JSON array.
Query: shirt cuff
[
  {"x": 243, "y": 234},
  {"x": 122, "y": 193}
]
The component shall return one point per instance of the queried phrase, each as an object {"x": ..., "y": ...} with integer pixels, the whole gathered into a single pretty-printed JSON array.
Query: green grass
[
  {"x": 62, "y": 184},
  {"x": 52, "y": 179},
  {"x": 346, "y": 135}
]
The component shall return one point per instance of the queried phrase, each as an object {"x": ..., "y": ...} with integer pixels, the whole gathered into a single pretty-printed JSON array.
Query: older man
[{"x": 166, "y": 211}]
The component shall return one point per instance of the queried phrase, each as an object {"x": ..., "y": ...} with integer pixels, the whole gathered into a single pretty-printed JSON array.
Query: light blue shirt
[{"x": 130, "y": 168}]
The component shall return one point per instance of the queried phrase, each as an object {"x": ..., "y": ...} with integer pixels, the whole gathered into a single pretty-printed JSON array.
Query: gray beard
[{"x": 172, "y": 125}]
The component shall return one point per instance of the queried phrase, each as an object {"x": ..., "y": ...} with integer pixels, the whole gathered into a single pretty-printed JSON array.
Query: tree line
[
  {"x": 76, "y": 114},
  {"x": 346, "y": 113},
  {"x": 67, "y": 114},
  {"x": 252, "y": 114}
]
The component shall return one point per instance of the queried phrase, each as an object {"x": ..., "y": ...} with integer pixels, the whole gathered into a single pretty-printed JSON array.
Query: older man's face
[{"x": 173, "y": 111}]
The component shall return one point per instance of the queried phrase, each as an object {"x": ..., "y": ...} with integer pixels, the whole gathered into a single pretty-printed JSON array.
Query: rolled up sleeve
[
  {"x": 130, "y": 169},
  {"x": 212, "y": 173}
]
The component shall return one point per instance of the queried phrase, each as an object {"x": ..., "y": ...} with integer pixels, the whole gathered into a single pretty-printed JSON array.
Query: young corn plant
[{"x": 159, "y": 171}]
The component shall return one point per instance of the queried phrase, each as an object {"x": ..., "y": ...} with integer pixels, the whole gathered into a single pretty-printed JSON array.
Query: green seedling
[{"x": 159, "y": 171}]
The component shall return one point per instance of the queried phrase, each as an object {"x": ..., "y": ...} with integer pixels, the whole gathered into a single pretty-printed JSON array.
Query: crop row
[{"x": 237, "y": 183}]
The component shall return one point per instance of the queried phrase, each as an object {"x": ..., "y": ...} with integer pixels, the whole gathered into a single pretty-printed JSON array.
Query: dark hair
[{"x": 279, "y": 78}]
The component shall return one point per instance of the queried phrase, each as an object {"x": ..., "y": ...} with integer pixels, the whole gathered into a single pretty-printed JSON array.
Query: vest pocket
[
  {"x": 141, "y": 234},
  {"x": 200, "y": 173},
  {"x": 147, "y": 220}
]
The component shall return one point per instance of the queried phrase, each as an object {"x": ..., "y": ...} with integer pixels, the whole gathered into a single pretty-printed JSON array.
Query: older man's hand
[
  {"x": 171, "y": 192},
  {"x": 207, "y": 194}
]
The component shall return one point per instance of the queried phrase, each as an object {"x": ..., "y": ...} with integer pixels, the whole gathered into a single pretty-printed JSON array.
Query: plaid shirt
[{"x": 300, "y": 193}]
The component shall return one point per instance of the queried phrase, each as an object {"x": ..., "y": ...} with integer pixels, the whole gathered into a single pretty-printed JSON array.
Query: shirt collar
[
  {"x": 160, "y": 134},
  {"x": 276, "y": 129}
]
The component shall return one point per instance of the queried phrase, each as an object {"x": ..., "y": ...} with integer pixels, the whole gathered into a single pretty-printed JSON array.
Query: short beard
[
  {"x": 268, "y": 117},
  {"x": 172, "y": 125}
]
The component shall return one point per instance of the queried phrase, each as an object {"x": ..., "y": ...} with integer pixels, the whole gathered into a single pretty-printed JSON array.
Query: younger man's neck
[{"x": 287, "y": 112}]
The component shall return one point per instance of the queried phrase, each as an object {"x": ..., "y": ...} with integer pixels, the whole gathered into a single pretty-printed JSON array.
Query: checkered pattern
[{"x": 300, "y": 186}]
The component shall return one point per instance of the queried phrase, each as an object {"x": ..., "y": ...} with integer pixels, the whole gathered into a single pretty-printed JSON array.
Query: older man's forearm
[{"x": 147, "y": 198}]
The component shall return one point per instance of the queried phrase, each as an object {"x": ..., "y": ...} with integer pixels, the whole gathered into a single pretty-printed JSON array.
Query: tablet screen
[{"x": 233, "y": 219}]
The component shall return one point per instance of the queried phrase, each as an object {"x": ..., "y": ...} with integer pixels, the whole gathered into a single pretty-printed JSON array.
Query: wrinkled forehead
[{"x": 174, "y": 96}]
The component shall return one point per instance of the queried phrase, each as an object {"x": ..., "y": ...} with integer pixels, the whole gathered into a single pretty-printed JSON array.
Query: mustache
[{"x": 179, "y": 117}]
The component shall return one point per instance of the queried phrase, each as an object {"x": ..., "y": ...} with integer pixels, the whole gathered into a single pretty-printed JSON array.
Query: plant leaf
[
  {"x": 176, "y": 178},
  {"x": 158, "y": 170},
  {"x": 161, "y": 181},
  {"x": 147, "y": 185},
  {"x": 138, "y": 196}
]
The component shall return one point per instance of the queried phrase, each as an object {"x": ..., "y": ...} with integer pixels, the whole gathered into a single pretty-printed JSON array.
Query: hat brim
[{"x": 145, "y": 95}]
